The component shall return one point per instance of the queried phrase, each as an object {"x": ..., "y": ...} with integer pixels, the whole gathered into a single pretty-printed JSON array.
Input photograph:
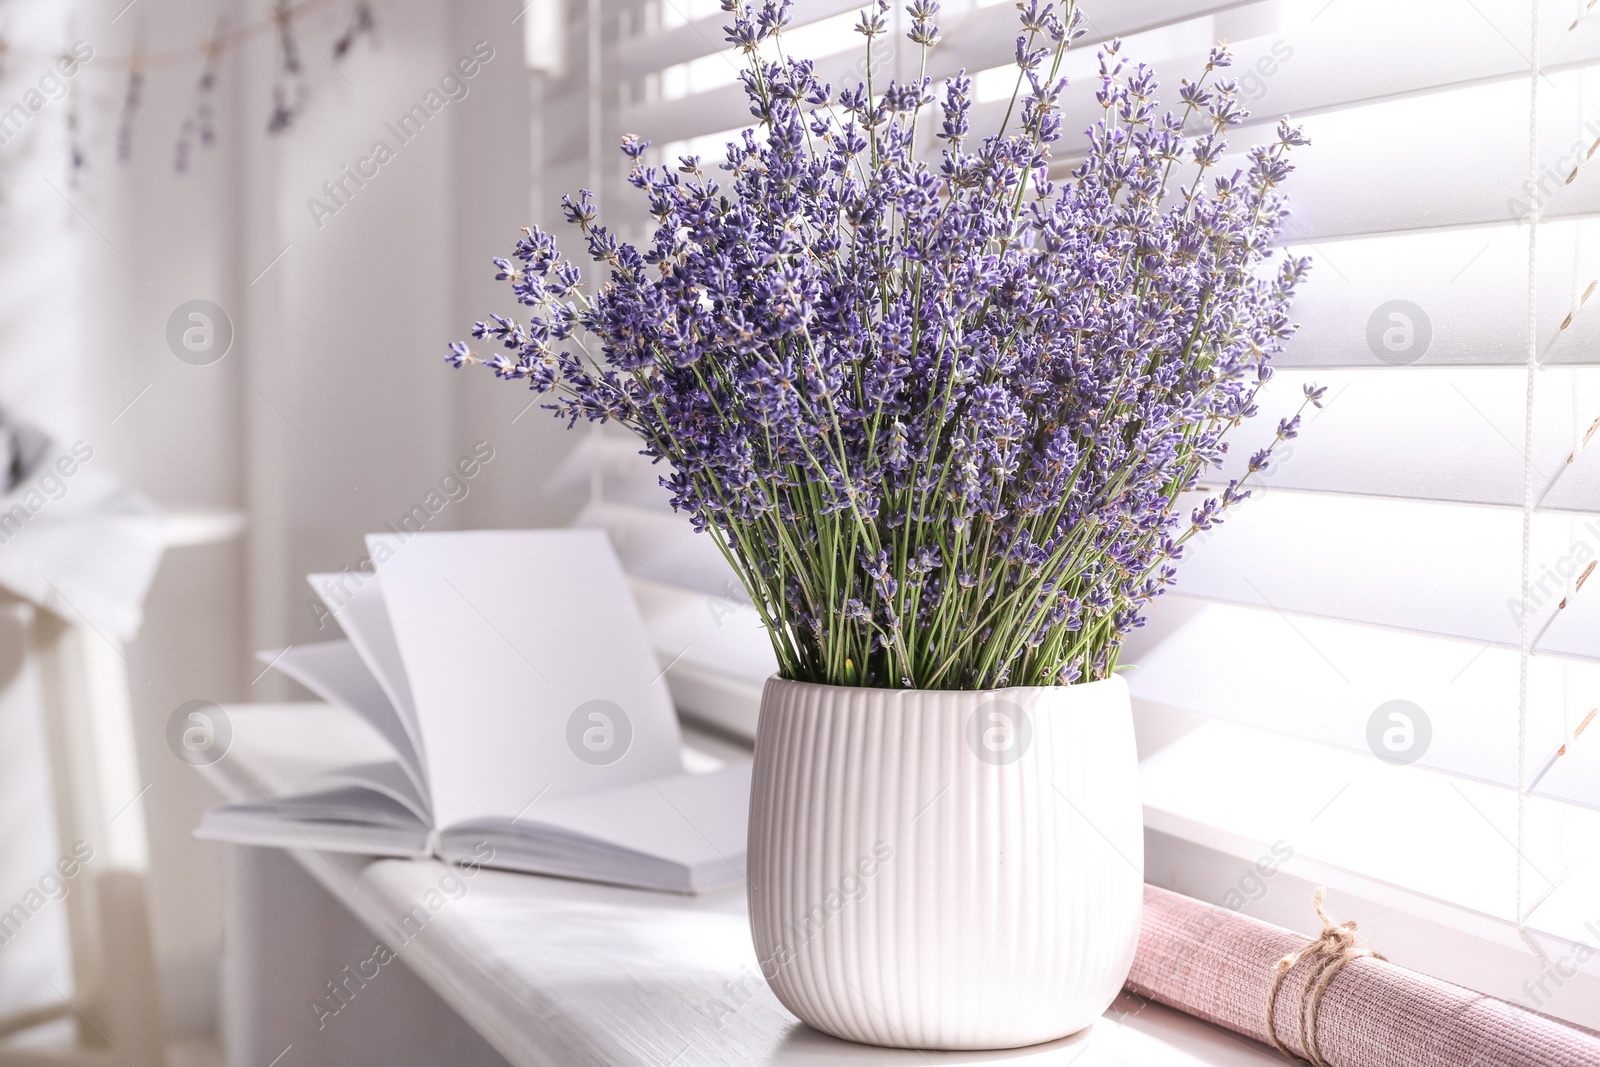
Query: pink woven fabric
[{"x": 1218, "y": 965}]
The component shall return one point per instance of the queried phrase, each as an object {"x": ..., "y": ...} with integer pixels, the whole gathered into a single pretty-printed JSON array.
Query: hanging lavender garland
[{"x": 938, "y": 416}]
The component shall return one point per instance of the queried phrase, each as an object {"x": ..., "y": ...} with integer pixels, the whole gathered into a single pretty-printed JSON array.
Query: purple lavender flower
[{"x": 943, "y": 416}]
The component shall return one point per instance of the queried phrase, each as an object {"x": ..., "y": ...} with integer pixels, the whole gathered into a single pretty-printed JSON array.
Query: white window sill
[{"x": 549, "y": 971}]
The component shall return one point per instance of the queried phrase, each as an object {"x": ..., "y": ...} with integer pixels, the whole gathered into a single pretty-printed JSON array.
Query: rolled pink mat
[{"x": 1218, "y": 965}]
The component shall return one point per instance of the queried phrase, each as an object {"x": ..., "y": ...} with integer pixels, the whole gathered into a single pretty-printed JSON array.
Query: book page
[
  {"x": 387, "y": 778},
  {"x": 337, "y": 820},
  {"x": 531, "y": 671},
  {"x": 684, "y": 833},
  {"x": 335, "y": 671},
  {"x": 693, "y": 820},
  {"x": 356, "y": 601}
]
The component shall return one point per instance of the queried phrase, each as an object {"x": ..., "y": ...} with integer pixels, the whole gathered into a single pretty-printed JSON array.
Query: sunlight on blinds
[{"x": 1380, "y": 563}]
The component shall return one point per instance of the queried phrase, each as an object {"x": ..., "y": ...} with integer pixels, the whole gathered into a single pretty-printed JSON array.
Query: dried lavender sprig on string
[
  {"x": 941, "y": 416},
  {"x": 362, "y": 25},
  {"x": 200, "y": 123},
  {"x": 132, "y": 97},
  {"x": 288, "y": 86},
  {"x": 77, "y": 160}
]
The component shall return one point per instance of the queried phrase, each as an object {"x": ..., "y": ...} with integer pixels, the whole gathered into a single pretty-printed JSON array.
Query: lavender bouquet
[{"x": 937, "y": 414}]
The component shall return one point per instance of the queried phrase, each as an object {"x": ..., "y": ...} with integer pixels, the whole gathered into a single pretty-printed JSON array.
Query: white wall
[
  {"x": 347, "y": 333},
  {"x": 334, "y": 411}
]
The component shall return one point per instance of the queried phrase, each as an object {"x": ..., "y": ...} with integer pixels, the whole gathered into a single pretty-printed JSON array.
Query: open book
[{"x": 510, "y": 673}]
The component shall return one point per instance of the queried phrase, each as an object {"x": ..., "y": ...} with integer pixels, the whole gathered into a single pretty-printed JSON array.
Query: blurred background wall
[{"x": 332, "y": 412}]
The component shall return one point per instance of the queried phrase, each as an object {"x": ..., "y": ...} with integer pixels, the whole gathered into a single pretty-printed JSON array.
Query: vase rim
[{"x": 1114, "y": 681}]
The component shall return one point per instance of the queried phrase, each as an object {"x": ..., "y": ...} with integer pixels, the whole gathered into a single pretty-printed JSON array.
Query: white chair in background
[
  {"x": 77, "y": 554},
  {"x": 114, "y": 999}
]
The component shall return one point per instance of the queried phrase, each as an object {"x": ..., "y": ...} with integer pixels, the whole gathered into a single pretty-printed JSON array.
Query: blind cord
[{"x": 1525, "y": 649}]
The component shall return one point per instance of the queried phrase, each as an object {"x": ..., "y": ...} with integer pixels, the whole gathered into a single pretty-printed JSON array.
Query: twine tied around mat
[{"x": 1334, "y": 948}]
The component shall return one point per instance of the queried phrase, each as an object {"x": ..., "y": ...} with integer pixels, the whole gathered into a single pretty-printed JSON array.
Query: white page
[
  {"x": 349, "y": 820},
  {"x": 387, "y": 778},
  {"x": 696, "y": 820},
  {"x": 358, "y": 607},
  {"x": 335, "y": 671},
  {"x": 509, "y": 639}
]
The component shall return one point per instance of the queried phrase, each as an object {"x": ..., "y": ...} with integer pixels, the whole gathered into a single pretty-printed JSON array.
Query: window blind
[{"x": 1422, "y": 541}]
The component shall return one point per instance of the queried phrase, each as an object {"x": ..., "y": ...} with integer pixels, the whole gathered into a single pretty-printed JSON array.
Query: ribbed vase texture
[{"x": 946, "y": 870}]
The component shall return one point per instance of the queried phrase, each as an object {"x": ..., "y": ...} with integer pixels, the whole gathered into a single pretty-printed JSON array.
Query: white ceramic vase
[{"x": 946, "y": 870}]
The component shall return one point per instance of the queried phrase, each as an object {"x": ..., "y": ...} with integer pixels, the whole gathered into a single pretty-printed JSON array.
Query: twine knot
[{"x": 1333, "y": 948}]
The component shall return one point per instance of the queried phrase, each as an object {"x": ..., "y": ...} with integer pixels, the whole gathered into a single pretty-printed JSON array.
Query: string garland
[
  {"x": 197, "y": 129},
  {"x": 225, "y": 40}
]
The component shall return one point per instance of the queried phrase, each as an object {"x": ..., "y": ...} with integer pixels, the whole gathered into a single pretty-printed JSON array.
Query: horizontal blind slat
[
  {"x": 1446, "y": 569},
  {"x": 1324, "y": 680},
  {"x": 1305, "y": 69},
  {"x": 1466, "y": 294},
  {"x": 972, "y": 34},
  {"x": 727, "y": 634},
  {"x": 1429, "y": 433},
  {"x": 978, "y": 38},
  {"x": 1371, "y": 169},
  {"x": 1376, "y": 168},
  {"x": 663, "y": 547},
  {"x": 653, "y": 51}
]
